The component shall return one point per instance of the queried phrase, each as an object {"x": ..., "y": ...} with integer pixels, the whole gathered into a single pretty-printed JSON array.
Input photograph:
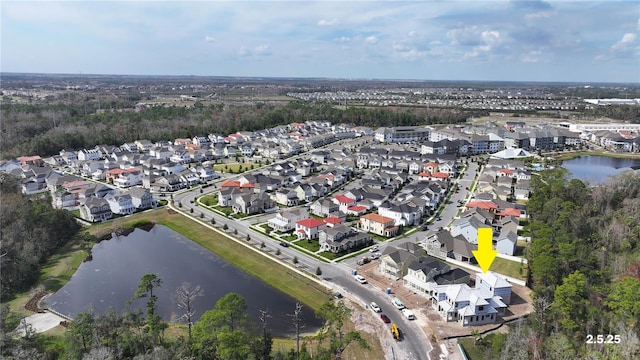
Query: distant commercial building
[
  {"x": 591, "y": 127},
  {"x": 402, "y": 134},
  {"x": 613, "y": 101}
]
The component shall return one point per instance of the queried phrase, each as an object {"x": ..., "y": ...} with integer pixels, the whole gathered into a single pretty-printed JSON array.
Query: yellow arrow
[{"x": 485, "y": 253}]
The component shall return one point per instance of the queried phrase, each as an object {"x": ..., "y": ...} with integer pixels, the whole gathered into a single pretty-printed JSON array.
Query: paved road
[{"x": 337, "y": 276}]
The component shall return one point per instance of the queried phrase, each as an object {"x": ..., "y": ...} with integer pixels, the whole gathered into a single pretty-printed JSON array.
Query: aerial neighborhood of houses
[{"x": 365, "y": 187}]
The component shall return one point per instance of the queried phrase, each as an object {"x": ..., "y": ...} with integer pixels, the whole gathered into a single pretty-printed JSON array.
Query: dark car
[
  {"x": 284, "y": 244},
  {"x": 385, "y": 318}
]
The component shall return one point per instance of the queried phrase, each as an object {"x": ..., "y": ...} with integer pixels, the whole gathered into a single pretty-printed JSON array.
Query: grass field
[
  {"x": 233, "y": 168},
  {"x": 509, "y": 268}
]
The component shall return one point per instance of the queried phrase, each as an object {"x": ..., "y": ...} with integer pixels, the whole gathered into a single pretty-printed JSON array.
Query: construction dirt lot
[{"x": 431, "y": 322}]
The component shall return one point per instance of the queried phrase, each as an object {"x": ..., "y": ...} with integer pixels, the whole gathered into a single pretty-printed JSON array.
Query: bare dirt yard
[{"x": 434, "y": 327}]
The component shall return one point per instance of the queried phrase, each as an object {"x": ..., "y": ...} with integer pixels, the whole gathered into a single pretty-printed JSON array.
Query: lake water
[
  {"x": 596, "y": 169},
  {"x": 112, "y": 277}
]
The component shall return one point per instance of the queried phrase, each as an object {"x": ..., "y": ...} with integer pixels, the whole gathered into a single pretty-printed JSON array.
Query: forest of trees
[
  {"x": 584, "y": 265},
  {"x": 222, "y": 333},
  {"x": 44, "y": 130},
  {"x": 31, "y": 230}
]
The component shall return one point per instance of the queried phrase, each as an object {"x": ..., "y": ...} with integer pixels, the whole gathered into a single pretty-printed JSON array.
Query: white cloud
[
  {"x": 629, "y": 41},
  {"x": 324, "y": 22},
  {"x": 371, "y": 40},
  {"x": 532, "y": 57},
  {"x": 262, "y": 50},
  {"x": 209, "y": 39}
]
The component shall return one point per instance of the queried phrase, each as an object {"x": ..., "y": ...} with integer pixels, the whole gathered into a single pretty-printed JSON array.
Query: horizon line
[{"x": 317, "y": 78}]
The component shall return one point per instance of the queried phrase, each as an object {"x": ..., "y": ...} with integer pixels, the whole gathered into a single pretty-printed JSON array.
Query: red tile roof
[
  {"x": 230, "y": 183},
  {"x": 333, "y": 220},
  {"x": 344, "y": 199},
  {"x": 357, "y": 208},
  {"x": 510, "y": 212},
  {"x": 310, "y": 223},
  {"x": 377, "y": 218},
  {"x": 440, "y": 175},
  {"x": 487, "y": 205}
]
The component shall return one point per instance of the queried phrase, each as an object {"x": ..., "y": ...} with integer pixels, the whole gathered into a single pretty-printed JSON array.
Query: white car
[
  {"x": 375, "y": 307},
  {"x": 360, "y": 279},
  {"x": 375, "y": 256},
  {"x": 374, "y": 249}
]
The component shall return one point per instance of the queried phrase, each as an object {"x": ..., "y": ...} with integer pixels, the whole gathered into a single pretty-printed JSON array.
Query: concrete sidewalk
[{"x": 40, "y": 322}]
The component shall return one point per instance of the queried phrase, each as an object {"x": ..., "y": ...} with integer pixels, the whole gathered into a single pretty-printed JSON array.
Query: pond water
[
  {"x": 111, "y": 278},
  {"x": 596, "y": 169}
]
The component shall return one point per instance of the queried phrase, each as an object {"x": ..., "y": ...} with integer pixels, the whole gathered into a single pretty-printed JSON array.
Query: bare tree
[
  {"x": 297, "y": 323},
  {"x": 184, "y": 297}
]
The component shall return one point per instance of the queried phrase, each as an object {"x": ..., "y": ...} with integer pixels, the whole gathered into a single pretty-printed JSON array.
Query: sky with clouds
[{"x": 576, "y": 41}]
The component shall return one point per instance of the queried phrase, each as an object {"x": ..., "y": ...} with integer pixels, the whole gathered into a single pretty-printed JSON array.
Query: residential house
[
  {"x": 251, "y": 204},
  {"x": 395, "y": 261},
  {"x": 89, "y": 154},
  {"x": 127, "y": 177},
  {"x": 495, "y": 285},
  {"x": 424, "y": 275},
  {"x": 442, "y": 244},
  {"x": 343, "y": 202},
  {"x": 506, "y": 243},
  {"x": 168, "y": 183},
  {"x": 120, "y": 204},
  {"x": 468, "y": 227},
  {"x": 379, "y": 225},
  {"x": 286, "y": 197},
  {"x": 189, "y": 178},
  {"x": 286, "y": 220},
  {"x": 309, "y": 228},
  {"x": 143, "y": 145},
  {"x": 467, "y": 306},
  {"x": 323, "y": 207},
  {"x": 206, "y": 174},
  {"x": 341, "y": 238},
  {"x": 142, "y": 198},
  {"x": 403, "y": 214},
  {"x": 95, "y": 210}
]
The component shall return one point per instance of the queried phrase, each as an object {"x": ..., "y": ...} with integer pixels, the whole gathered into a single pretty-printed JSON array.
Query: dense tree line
[
  {"x": 222, "y": 333},
  {"x": 46, "y": 129},
  {"x": 30, "y": 231},
  {"x": 584, "y": 263},
  {"x": 621, "y": 112}
]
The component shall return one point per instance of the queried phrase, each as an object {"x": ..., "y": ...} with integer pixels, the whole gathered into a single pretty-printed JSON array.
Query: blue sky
[{"x": 581, "y": 41}]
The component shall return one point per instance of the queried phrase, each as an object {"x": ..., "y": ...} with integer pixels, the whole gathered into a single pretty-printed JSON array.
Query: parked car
[
  {"x": 375, "y": 307},
  {"x": 374, "y": 249},
  {"x": 284, "y": 244},
  {"x": 360, "y": 279},
  {"x": 385, "y": 318},
  {"x": 375, "y": 256},
  {"x": 408, "y": 314},
  {"x": 364, "y": 260},
  {"x": 337, "y": 295}
]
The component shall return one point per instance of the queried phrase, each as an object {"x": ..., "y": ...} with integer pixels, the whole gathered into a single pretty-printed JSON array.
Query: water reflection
[
  {"x": 596, "y": 169},
  {"x": 111, "y": 278}
]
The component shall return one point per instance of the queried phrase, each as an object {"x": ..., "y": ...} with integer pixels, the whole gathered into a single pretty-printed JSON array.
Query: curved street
[{"x": 337, "y": 276}]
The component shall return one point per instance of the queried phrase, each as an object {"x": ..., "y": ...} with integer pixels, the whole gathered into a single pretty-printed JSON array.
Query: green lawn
[
  {"x": 311, "y": 246},
  {"x": 209, "y": 200},
  {"x": 233, "y": 168},
  {"x": 509, "y": 268}
]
